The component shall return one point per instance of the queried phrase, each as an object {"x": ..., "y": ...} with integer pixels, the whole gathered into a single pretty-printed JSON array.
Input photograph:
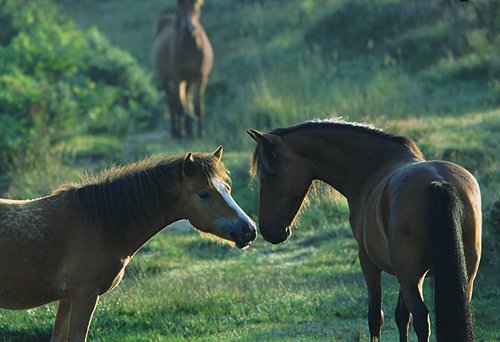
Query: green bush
[{"x": 70, "y": 82}]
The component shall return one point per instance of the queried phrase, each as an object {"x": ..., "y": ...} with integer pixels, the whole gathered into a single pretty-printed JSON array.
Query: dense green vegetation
[
  {"x": 77, "y": 92},
  {"x": 58, "y": 83}
]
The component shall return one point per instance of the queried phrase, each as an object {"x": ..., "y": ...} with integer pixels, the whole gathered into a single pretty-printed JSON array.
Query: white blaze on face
[{"x": 222, "y": 189}]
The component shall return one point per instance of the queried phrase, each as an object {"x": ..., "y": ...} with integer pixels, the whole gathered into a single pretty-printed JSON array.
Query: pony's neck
[
  {"x": 349, "y": 160},
  {"x": 136, "y": 238}
]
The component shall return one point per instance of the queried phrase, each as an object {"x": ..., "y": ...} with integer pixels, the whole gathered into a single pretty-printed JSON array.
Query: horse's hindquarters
[{"x": 407, "y": 220}]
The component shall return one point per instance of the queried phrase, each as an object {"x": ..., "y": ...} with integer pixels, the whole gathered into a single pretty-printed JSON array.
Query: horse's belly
[
  {"x": 27, "y": 295},
  {"x": 28, "y": 278},
  {"x": 28, "y": 303}
]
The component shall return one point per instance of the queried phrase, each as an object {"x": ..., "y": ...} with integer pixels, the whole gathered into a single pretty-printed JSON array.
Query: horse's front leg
[
  {"x": 199, "y": 104},
  {"x": 373, "y": 276},
  {"x": 188, "y": 117},
  {"x": 83, "y": 304},
  {"x": 180, "y": 106},
  {"x": 60, "y": 331}
]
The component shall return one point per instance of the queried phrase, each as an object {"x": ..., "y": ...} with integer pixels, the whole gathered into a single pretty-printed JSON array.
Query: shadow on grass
[{"x": 25, "y": 335}]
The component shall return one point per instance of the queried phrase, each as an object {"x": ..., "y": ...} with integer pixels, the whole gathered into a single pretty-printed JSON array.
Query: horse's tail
[{"x": 451, "y": 292}]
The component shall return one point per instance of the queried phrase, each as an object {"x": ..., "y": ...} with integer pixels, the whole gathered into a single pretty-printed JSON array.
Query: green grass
[
  {"x": 279, "y": 63},
  {"x": 181, "y": 287}
]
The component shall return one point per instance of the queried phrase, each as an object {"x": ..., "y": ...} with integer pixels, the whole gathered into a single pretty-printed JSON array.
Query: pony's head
[
  {"x": 205, "y": 197},
  {"x": 188, "y": 14},
  {"x": 284, "y": 183}
]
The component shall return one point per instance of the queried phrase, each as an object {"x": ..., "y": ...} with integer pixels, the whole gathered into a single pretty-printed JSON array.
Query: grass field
[
  {"x": 181, "y": 287},
  {"x": 277, "y": 64}
]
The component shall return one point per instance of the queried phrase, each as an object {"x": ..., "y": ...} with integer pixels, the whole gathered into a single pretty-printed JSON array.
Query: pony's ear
[
  {"x": 188, "y": 165},
  {"x": 264, "y": 138},
  {"x": 254, "y": 134},
  {"x": 217, "y": 155}
]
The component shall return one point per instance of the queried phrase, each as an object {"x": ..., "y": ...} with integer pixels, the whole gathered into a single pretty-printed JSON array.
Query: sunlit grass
[{"x": 181, "y": 287}]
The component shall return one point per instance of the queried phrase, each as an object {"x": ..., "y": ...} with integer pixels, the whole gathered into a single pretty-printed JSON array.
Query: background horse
[
  {"x": 183, "y": 56},
  {"x": 74, "y": 245},
  {"x": 410, "y": 217}
]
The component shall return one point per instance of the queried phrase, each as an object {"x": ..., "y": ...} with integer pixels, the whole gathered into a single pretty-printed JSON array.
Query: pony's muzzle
[
  {"x": 243, "y": 233},
  {"x": 275, "y": 234}
]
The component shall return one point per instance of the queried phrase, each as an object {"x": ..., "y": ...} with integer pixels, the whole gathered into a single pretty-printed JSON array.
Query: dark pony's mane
[
  {"x": 123, "y": 198},
  {"x": 331, "y": 124}
]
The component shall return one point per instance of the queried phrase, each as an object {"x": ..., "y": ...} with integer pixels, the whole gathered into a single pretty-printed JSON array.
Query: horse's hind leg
[
  {"x": 412, "y": 296},
  {"x": 402, "y": 319},
  {"x": 373, "y": 280},
  {"x": 61, "y": 326}
]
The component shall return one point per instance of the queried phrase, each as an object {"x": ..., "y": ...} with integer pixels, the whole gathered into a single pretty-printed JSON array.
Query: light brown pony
[
  {"x": 74, "y": 245},
  {"x": 183, "y": 56},
  {"x": 410, "y": 217}
]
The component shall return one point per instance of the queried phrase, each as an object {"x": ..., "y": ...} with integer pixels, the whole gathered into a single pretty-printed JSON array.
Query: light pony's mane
[{"x": 123, "y": 198}]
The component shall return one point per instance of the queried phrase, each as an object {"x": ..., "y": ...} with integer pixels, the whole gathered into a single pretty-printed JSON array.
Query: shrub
[{"x": 71, "y": 81}]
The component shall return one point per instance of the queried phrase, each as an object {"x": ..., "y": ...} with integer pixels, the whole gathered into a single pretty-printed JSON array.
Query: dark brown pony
[
  {"x": 74, "y": 245},
  {"x": 183, "y": 56},
  {"x": 410, "y": 217}
]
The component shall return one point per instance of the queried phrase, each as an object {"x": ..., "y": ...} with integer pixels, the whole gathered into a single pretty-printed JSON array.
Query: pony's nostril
[
  {"x": 250, "y": 235},
  {"x": 233, "y": 236}
]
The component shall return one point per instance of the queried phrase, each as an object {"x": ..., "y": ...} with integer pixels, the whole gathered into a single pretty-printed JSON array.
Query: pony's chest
[
  {"x": 190, "y": 69},
  {"x": 188, "y": 62},
  {"x": 114, "y": 278},
  {"x": 115, "y": 281}
]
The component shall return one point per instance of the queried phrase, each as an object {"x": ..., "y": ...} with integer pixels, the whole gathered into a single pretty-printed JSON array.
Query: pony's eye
[{"x": 204, "y": 195}]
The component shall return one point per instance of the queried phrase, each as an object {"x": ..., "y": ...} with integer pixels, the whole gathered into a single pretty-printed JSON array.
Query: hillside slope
[{"x": 279, "y": 62}]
